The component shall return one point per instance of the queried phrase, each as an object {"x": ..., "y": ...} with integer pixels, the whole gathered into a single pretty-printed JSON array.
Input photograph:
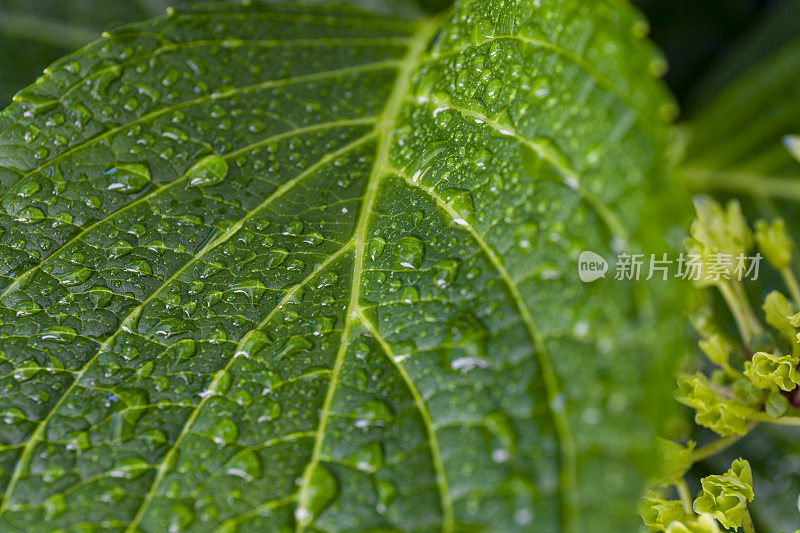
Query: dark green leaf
[{"x": 275, "y": 266}]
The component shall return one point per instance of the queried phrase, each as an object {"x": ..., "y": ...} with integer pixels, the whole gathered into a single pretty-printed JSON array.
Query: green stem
[
  {"x": 684, "y": 494},
  {"x": 747, "y": 522},
  {"x": 739, "y": 309},
  {"x": 791, "y": 283},
  {"x": 760, "y": 186},
  {"x": 738, "y": 289},
  {"x": 718, "y": 445},
  {"x": 782, "y": 420}
]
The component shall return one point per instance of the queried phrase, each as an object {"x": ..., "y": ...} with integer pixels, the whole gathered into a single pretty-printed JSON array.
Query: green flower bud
[
  {"x": 774, "y": 243},
  {"x": 658, "y": 513},
  {"x": 721, "y": 230},
  {"x": 697, "y": 249},
  {"x": 769, "y": 370},
  {"x": 748, "y": 393},
  {"x": 776, "y": 404},
  {"x": 778, "y": 312},
  {"x": 702, "y": 524},
  {"x": 722, "y": 415},
  {"x": 715, "y": 350},
  {"x": 725, "y": 496}
]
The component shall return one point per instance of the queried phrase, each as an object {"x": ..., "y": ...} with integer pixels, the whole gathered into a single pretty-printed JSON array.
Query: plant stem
[
  {"x": 782, "y": 420},
  {"x": 718, "y": 445},
  {"x": 700, "y": 179},
  {"x": 791, "y": 283},
  {"x": 747, "y": 522},
  {"x": 738, "y": 289},
  {"x": 684, "y": 494},
  {"x": 739, "y": 310}
]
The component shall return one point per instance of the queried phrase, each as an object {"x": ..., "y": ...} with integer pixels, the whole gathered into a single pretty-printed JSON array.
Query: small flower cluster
[
  {"x": 722, "y": 501},
  {"x": 716, "y": 232},
  {"x": 742, "y": 390},
  {"x": 660, "y": 514},
  {"x": 725, "y": 496},
  {"x": 732, "y": 398}
]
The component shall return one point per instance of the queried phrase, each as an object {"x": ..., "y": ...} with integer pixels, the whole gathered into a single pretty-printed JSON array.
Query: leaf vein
[
  {"x": 433, "y": 442},
  {"x": 37, "y": 434},
  {"x": 162, "y": 468},
  {"x": 158, "y": 190},
  {"x": 555, "y": 401}
]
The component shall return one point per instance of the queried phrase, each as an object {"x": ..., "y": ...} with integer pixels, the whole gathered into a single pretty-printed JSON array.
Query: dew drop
[
  {"x": 30, "y": 215},
  {"x": 373, "y": 413},
  {"x": 223, "y": 432},
  {"x": 245, "y": 464},
  {"x": 276, "y": 257},
  {"x": 183, "y": 350},
  {"x": 252, "y": 343},
  {"x": 26, "y": 307},
  {"x": 76, "y": 277},
  {"x": 376, "y": 247},
  {"x": 294, "y": 228},
  {"x": 408, "y": 253},
  {"x": 210, "y": 170},
  {"x": 445, "y": 272},
  {"x": 294, "y": 345},
  {"x": 254, "y": 289},
  {"x": 320, "y": 490},
  {"x": 62, "y": 334},
  {"x": 128, "y": 178}
]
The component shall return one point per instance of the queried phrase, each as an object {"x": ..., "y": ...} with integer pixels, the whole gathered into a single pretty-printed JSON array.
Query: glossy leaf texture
[{"x": 309, "y": 267}]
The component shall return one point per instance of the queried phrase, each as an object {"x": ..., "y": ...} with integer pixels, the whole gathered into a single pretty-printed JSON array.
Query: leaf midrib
[{"x": 418, "y": 44}]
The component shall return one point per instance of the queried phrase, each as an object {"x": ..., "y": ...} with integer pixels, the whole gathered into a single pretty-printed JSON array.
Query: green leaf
[
  {"x": 315, "y": 266},
  {"x": 33, "y": 34},
  {"x": 740, "y": 143}
]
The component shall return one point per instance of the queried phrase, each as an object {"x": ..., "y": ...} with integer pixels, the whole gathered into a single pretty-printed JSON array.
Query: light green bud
[
  {"x": 777, "y": 312},
  {"x": 769, "y": 370},
  {"x": 715, "y": 350},
  {"x": 774, "y": 243},
  {"x": 725, "y": 496}
]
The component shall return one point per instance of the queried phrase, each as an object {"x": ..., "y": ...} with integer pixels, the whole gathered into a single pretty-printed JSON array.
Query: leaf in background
[
  {"x": 775, "y": 28},
  {"x": 692, "y": 34},
  {"x": 738, "y": 142},
  {"x": 34, "y": 34},
  {"x": 268, "y": 266}
]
